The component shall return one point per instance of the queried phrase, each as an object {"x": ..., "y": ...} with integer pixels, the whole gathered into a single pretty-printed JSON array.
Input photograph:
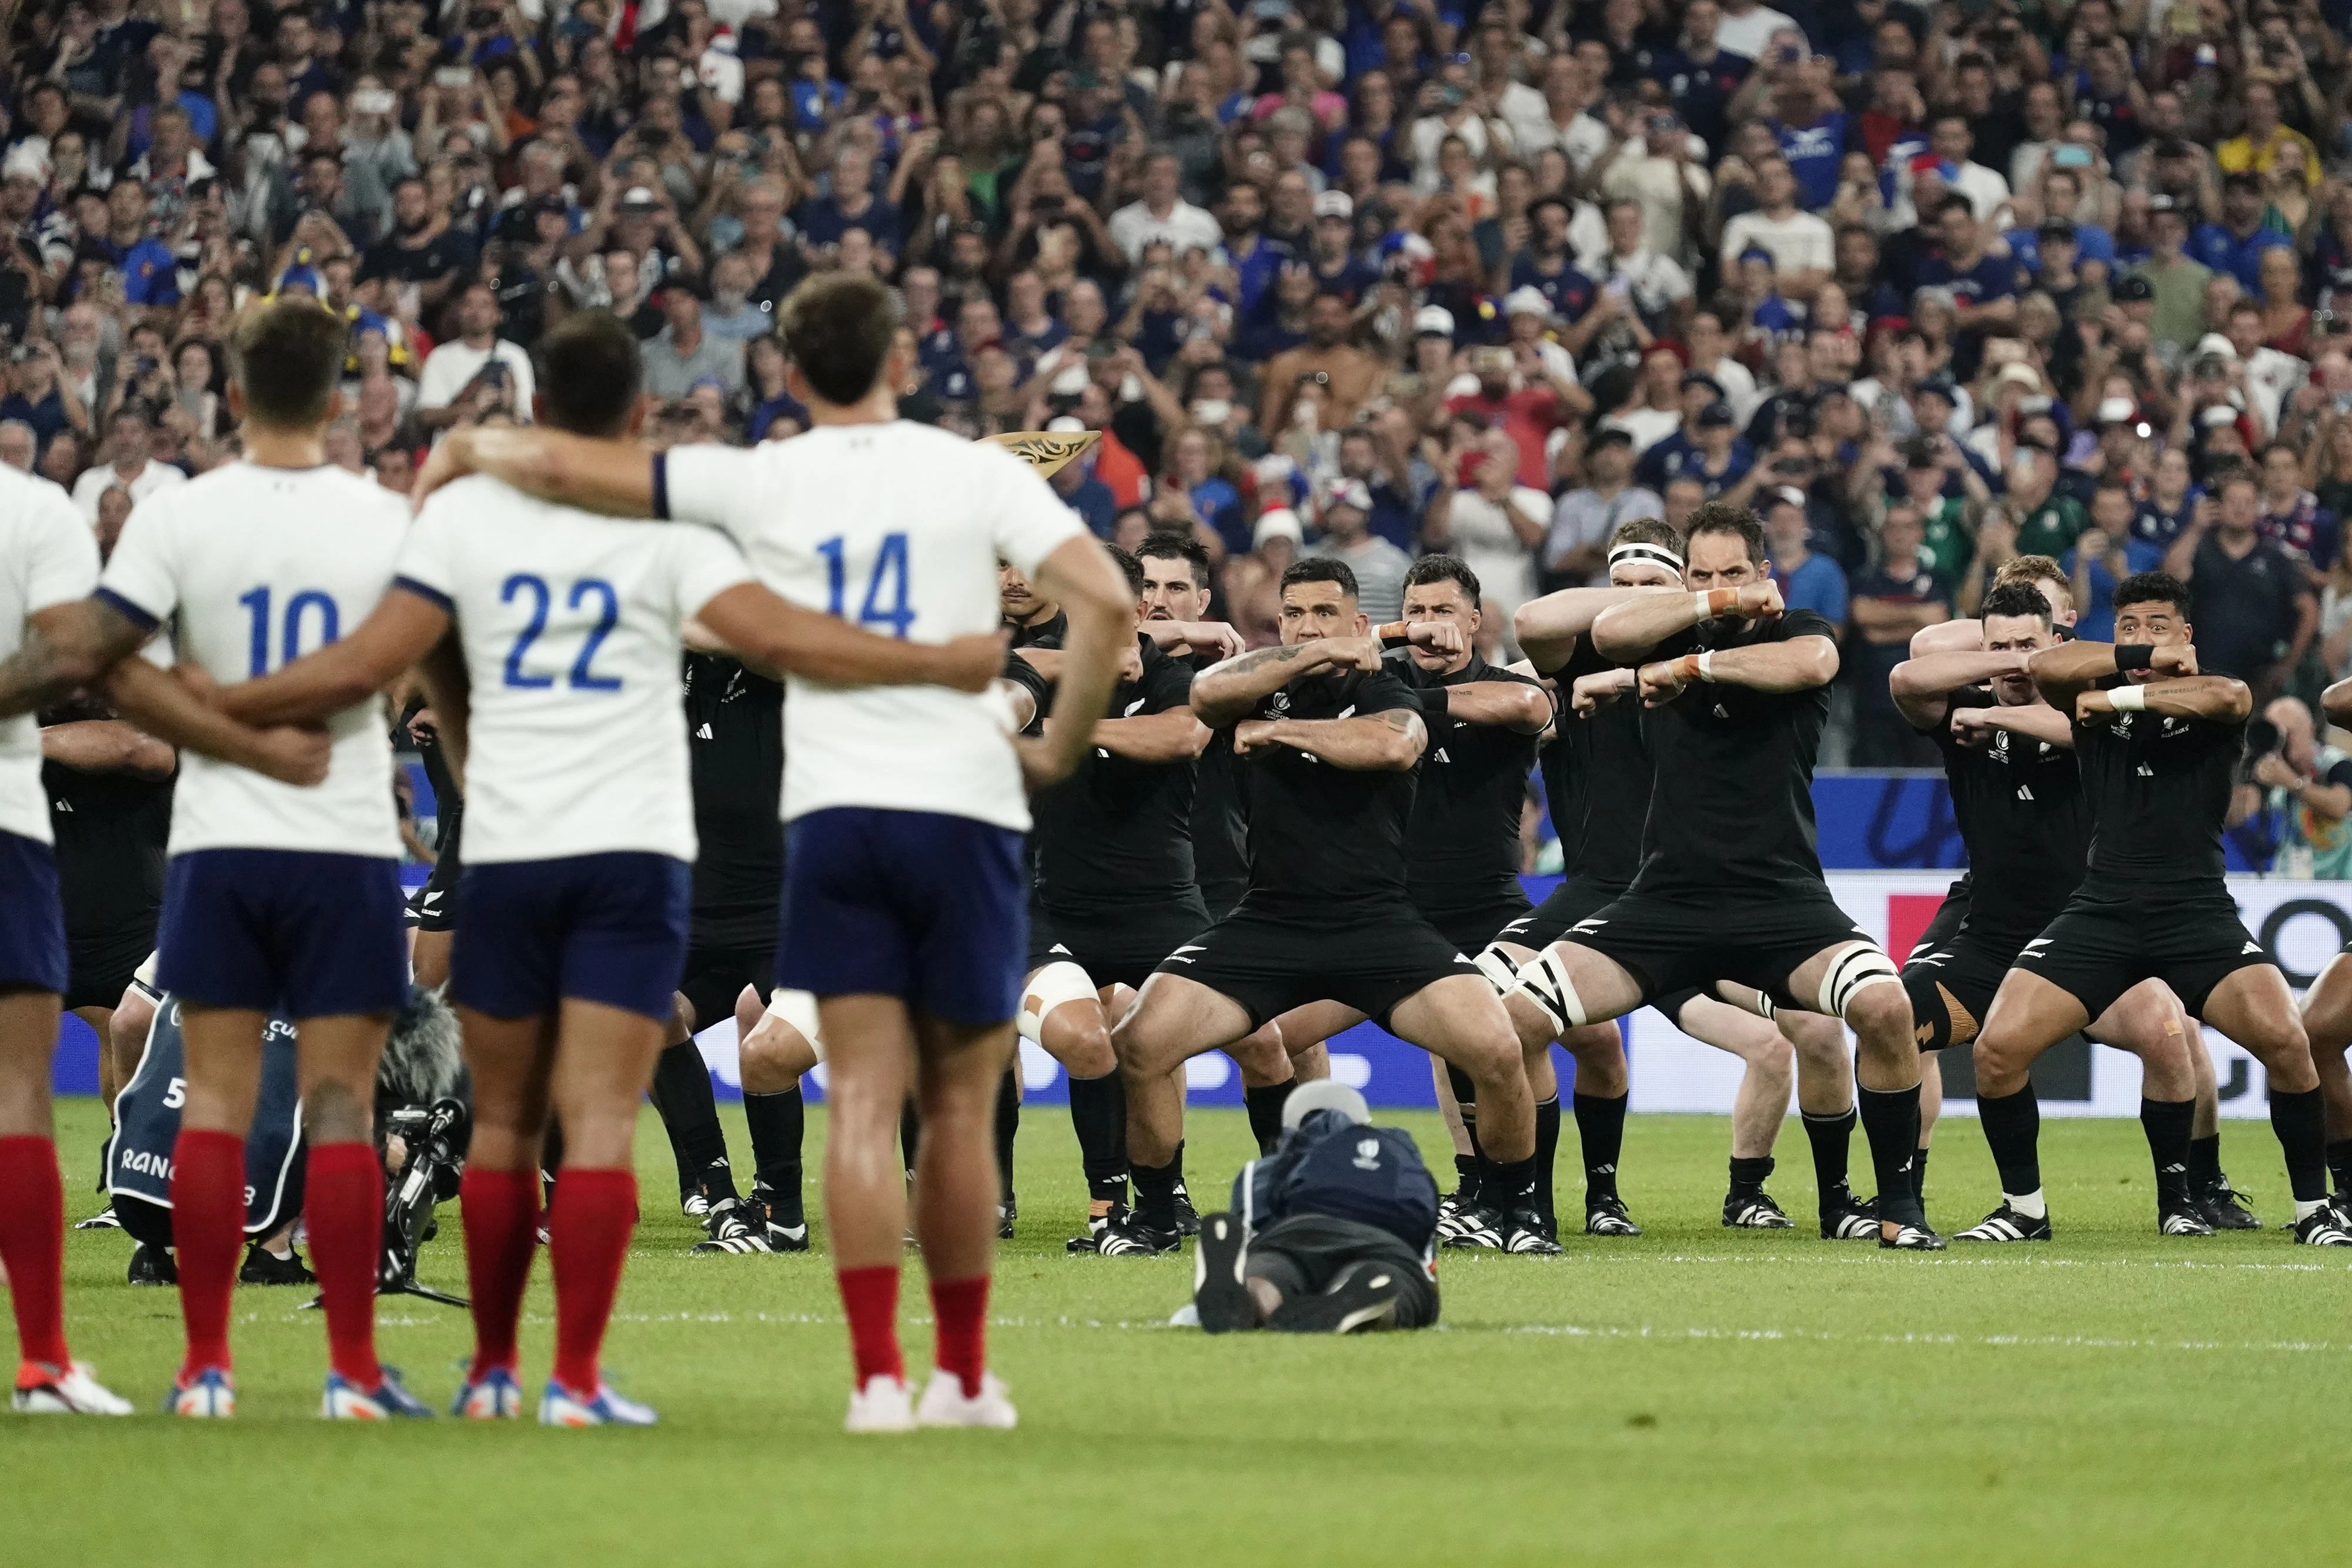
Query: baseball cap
[
  {"x": 1325, "y": 1094},
  {"x": 1347, "y": 492},
  {"x": 1334, "y": 204},
  {"x": 28, "y": 160},
  {"x": 640, "y": 199},
  {"x": 2017, "y": 375},
  {"x": 1940, "y": 384},
  {"x": 2118, "y": 411},
  {"x": 1279, "y": 523},
  {"x": 1609, "y": 435},
  {"x": 1434, "y": 321},
  {"x": 1065, "y": 425},
  {"x": 2220, "y": 413},
  {"x": 1701, "y": 379},
  {"x": 2056, "y": 228},
  {"x": 2132, "y": 290},
  {"x": 1716, "y": 413},
  {"x": 1527, "y": 300}
]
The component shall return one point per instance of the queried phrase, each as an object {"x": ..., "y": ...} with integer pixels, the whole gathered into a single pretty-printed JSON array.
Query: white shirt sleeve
[
  {"x": 715, "y": 484},
  {"x": 443, "y": 378},
  {"x": 427, "y": 562},
  {"x": 703, "y": 565},
  {"x": 64, "y": 564},
  {"x": 518, "y": 372},
  {"x": 1031, "y": 522},
  {"x": 141, "y": 573}
]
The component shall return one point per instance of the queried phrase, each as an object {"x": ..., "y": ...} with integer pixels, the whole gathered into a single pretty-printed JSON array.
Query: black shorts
[
  {"x": 1221, "y": 895},
  {"x": 2101, "y": 947},
  {"x": 1118, "y": 946},
  {"x": 1471, "y": 926},
  {"x": 1949, "y": 918},
  {"x": 1951, "y": 981},
  {"x": 99, "y": 966},
  {"x": 715, "y": 977},
  {"x": 434, "y": 905},
  {"x": 1271, "y": 963},
  {"x": 1305, "y": 1254},
  {"x": 1571, "y": 901},
  {"x": 1669, "y": 943}
]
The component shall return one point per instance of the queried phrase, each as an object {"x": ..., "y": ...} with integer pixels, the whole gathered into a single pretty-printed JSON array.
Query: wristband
[
  {"x": 1706, "y": 667},
  {"x": 1711, "y": 602},
  {"x": 2134, "y": 655},
  {"x": 2128, "y": 699},
  {"x": 1690, "y": 667},
  {"x": 1393, "y": 634}
]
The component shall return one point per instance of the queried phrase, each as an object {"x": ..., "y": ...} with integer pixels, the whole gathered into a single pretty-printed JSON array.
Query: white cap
[
  {"x": 1277, "y": 523},
  {"x": 639, "y": 198},
  {"x": 1065, "y": 425},
  {"x": 1527, "y": 300},
  {"x": 1325, "y": 1094},
  {"x": 2214, "y": 343},
  {"x": 2018, "y": 375},
  {"x": 2115, "y": 410},
  {"x": 1334, "y": 204},
  {"x": 2220, "y": 413},
  {"x": 29, "y": 159},
  {"x": 1434, "y": 320},
  {"x": 1069, "y": 382},
  {"x": 1346, "y": 492}
]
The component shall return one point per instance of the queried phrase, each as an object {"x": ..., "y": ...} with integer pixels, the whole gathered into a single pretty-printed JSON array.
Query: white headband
[{"x": 1639, "y": 550}]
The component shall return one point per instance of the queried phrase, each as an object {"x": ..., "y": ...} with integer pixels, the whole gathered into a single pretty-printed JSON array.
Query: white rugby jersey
[
  {"x": 47, "y": 557},
  {"x": 576, "y": 744},
  {"x": 896, "y": 528},
  {"x": 255, "y": 567}
]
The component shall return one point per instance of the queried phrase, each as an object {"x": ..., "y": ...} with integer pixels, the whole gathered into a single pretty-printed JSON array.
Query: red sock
[
  {"x": 207, "y": 1223},
  {"x": 501, "y": 1213},
  {"x": 959, "y": 1308},
  {"x": 870, "y": 1297},
  {"x": 33, "y": 1246},
  {"x": 587, "y": 1241},
  {"x": 343, "y": 1200}
]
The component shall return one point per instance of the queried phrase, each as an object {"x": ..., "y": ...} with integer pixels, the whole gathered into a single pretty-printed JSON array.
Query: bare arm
[
  {"x": 1922, "y": 687},
  {"x": 1387, "y": 742},
  {"x": 613, "y": 478},
  {"x": 397, "y": 632},
  {"x": 65, "y": 646},
  {"x": 1963, "y": 635},
  {"x": 1195, "y": 636},
  {"x": 1513, "y": 705},
  {"x": 449, "y": 691},
  {"x": 1224, "y": 693},
  {"x": 1625, "y": 632},
  {"x": 2067, "y": 669},
  {"x": 2218, "y": 698},
  {"x": 2039, "y": 720},
  {"x": 1797, "y": 664},
  {"x": 1080, "y": 576},
  {"x": 2336, "y": 702},
  {"x": 166, "y": 709},
  {"x": 1173, "y": 736},
  {"x": 106, "y": 745},
  {"x": 1547, "y": 627},
  {"x": 817, "y": 647}
]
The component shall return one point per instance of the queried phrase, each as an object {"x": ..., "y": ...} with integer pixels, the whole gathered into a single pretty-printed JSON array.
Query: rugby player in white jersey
[
  {"x": 572, "y": 923},
  {"x": 904, "y": 909},
  {"x": 278, "y": 898}
]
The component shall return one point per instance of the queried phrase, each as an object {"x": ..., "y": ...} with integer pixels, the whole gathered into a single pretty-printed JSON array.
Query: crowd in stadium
[{"x": 1928, "y": 286}]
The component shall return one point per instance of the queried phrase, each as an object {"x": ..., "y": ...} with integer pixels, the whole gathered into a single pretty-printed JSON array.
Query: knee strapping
[
  {"x": 1500, "y": 972},
  {"x": 797, "y": 1009},
  {"x": 1058, "y": 982},
  {"x": 1853, "y": 967},
  {"x": 1544, "y": 981}
]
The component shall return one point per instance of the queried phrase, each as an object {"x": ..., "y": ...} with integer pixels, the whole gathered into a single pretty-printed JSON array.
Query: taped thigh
[
  {"x": 1852, "y": 969},
  {"x": 1057, "y": 983},
  {"x": 797, "y": 1009}
]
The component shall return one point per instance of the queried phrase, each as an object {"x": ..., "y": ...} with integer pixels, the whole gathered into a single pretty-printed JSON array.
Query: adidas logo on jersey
[
  {"x": 2025, "y": 793},
  {"x": 2144, "y": 771},
  {"x": 1441, "y": 757},
  {"x": 2250, "y": 947},
  {"x": 1135, "y": 705},
  {"x": 704, "y": 733}
]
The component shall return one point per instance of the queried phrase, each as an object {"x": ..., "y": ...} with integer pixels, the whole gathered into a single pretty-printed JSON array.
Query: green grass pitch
[{"x": 1696, "y": 1395}]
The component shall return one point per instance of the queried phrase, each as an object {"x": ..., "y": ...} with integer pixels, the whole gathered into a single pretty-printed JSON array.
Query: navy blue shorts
[
  {"x": 32, "y": 925},
  {"x": 606, "y": 928},
  {"x": 919, "y": 906},
  {"x": 294, "y": 932}
]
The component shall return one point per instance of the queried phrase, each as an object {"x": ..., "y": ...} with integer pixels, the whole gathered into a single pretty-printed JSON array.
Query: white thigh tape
[
  {"x": 1049, "y": 987},
  {"x": 1545, "y": 982},
  {"x": 1500, "y": 972},
  {"x": 1852, "y": 968},
  {"x": 797, "y": 1009}
]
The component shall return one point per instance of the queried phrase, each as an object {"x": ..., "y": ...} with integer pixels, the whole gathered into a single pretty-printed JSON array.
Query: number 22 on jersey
[
  {"x": 533, "y": 590},
  {"x": 889, "y": 577}
]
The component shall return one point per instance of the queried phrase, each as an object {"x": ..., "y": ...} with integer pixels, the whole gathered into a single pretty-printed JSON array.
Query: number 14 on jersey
[{"x": 886, "y": 603}]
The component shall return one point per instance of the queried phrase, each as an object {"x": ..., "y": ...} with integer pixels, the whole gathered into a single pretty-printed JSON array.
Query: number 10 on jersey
[{"x": 889, "y": 578}]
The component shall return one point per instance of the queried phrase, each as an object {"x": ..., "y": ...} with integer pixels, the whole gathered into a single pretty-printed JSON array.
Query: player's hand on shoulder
[
  {"x": 1251, "y": 734},
  {"x": 970, "y": 664},
  {"x": 2174, "y": 659},
  {"x": 292, "y": 754}
]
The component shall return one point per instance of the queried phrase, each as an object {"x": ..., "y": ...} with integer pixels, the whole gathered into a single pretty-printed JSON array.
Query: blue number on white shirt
[
  {"x": 892, "y": 563},
  {"x": 580, "y": 678},
  {"x": 290, "y": 641},
  {"x": 537, "y": 589}
]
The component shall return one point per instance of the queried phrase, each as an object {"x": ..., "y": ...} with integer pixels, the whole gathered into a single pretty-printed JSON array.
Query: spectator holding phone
[{"x": 477, "y": 372}]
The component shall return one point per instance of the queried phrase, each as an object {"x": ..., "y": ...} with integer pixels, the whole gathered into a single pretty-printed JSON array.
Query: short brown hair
[
  {"x": 1648, "y": 532},
  {"x": 2032, "y": 568},
  {"x": 589, "y": 373},
  {"x": 1723, "y": 518},
  {"x": 288, "y": 356},
  {"x": 839, "y": 327}
]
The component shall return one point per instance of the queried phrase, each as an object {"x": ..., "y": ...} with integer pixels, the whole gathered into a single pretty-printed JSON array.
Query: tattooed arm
[
  {"x": 1224, "y": 694},
  {"x": 65, "y": 646},
  {"x": 1386, "y": 742}
]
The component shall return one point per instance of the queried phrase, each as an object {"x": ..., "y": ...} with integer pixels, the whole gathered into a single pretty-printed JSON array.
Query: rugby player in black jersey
[
  {"x": 1176, "y": 615},
  {"x": 2158, "y": 744},
  {"x": 433, "y": 907},
  {"x": 1596, "y": 783},
  {"x": 2023, "y": 813},
  {"x": 1329, "y": 742},
  {"x": 1462, "y": 852},
  {"x": 1730, "y": 886}
]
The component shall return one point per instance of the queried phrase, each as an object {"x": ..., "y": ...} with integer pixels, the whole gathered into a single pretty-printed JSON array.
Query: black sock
[
  {"x": 1546, "y": 1153},
  {"x": 1919, "y": 1176},
  {"x": 682, "y": 1094},
  {"x": 1008, "y": 1126},
  {"x": 1748, "y": 1177},
  {"x": 2166, "y": 1124},
  {"x": 1890, "y": 1120},
  {"x": 1601, "y": 1129},
  {"x": 1514, "y": 1184},
  {"x": 2013, "y": 1129},
  {"x": 2205, "y": 1164},
  {"x": 1265, "y": 1106},
  {"x": 1155, "y": 1194},
  {"x": 2339, "y": 1164},
  {"x": 1098, "y": 1116},
  {"x": 1832, "y": 1141},
  {"x": 1467, "y": 1169},
  {"x": 778, "y": 1122},
  {"x": 2300, "y": 1122}
]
